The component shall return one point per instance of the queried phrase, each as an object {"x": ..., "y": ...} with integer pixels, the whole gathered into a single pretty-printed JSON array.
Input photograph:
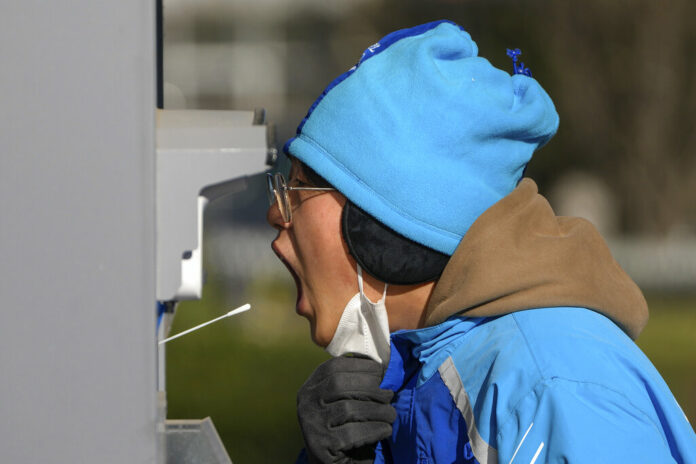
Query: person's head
[
  {"x": 419, "y": 138},
  {"x": 313, "y": 247}
]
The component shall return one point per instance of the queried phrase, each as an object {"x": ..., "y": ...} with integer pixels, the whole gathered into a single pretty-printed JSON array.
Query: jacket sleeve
[{"x": 568, "y": 421}]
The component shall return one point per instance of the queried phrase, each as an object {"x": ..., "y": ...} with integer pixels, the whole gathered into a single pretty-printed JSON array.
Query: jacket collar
[{"x": 421, "y": 351}]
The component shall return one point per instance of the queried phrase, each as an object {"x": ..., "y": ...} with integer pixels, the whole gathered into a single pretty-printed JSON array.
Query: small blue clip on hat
[
  {"x": 425, "y": 135},
  {"x": 518, "y": 68}
]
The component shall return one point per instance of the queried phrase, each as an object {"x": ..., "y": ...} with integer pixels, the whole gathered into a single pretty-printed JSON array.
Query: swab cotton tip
[{"x": 241, "y": 309}]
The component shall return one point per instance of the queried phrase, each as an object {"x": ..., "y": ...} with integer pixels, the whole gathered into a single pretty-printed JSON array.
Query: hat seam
[{"x": 445, "y": 233}]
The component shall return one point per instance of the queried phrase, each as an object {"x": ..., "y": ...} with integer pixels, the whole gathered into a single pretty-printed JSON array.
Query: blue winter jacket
[{"x": 544, "y": 385}]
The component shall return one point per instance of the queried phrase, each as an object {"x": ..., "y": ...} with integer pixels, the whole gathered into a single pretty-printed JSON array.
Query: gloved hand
[{"x": 342, "y": 411}]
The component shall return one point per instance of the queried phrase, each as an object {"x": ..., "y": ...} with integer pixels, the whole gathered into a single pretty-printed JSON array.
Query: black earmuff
[{"x": 385, "y": 254}]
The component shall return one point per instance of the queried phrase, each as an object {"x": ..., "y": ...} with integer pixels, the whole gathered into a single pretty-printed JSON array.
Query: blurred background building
[{"x": 621, "y": 74}]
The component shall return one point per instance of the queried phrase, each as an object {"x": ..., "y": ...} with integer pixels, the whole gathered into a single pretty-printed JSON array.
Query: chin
[{"x": 319, "y": 339}]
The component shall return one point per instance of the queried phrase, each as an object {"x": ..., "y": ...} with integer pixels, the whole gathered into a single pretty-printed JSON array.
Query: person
[{"x": 468, "y": 322}]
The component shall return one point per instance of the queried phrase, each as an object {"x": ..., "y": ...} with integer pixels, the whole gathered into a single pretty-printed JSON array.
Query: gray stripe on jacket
[{"x": 483, "y": 452}]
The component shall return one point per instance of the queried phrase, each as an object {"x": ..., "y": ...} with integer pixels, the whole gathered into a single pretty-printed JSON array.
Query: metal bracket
[{"x": 201, "y": 155}]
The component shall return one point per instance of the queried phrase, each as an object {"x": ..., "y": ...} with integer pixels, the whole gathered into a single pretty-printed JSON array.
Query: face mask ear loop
[
  {"x": 360, "y": 285},
  {"x": 360, "y": 279}
]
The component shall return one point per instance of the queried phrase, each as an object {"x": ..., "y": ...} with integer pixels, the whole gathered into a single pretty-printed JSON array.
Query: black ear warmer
[{"x": 386, "y": 255}]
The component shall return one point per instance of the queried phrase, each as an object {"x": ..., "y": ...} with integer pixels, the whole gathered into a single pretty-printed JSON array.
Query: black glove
[{"x": 342, "y": 411}]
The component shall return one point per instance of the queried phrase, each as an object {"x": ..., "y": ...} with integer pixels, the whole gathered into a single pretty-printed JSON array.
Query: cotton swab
[{"x": 241, "y": 309}]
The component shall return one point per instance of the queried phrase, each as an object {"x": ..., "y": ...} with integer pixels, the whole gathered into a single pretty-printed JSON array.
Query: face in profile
[{"x": 312, "y": 248}]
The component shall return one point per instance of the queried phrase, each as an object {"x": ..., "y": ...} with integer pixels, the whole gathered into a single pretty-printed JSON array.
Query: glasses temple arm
[{"x": 310, "y": 188}]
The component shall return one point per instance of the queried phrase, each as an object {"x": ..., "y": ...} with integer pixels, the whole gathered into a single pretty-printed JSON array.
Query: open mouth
[{"x": 292, "y": 273}]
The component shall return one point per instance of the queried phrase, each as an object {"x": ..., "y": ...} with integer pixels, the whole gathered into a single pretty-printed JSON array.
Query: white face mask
[{"x": 364, "y": 328}]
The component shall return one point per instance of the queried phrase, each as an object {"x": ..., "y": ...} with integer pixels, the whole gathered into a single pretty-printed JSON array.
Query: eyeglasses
[{"x": 278, "y": 192}]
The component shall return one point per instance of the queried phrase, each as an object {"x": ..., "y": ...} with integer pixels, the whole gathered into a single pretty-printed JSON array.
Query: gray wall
[{"x": 77, "y": 230}]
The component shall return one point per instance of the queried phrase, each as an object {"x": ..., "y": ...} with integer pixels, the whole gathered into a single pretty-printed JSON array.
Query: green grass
[
  {"x": 244, "y": 372},
  {"x": 245, "y": 381}
]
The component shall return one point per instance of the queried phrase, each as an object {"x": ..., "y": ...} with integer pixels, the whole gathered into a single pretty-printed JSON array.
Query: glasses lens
[
  {"x": 270, "y": 189},
  {"x": 281, "y": 193}
]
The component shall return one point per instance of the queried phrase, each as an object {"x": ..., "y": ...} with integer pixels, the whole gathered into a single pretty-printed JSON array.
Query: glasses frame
[{"x": 278, "y": 193}]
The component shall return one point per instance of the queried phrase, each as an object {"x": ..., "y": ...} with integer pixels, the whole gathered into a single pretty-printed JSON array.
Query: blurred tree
[{"x": 626, "y": 90}]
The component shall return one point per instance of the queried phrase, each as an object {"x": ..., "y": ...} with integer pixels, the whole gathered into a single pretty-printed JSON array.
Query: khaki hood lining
[{"x": 519, "y": 255}]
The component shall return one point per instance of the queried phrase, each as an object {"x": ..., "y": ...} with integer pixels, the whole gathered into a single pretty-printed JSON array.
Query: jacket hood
[{"x": 519, "y": 255}]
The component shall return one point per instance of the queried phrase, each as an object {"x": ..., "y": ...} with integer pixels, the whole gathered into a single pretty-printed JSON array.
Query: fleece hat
[{"x": 423, "y": 134}]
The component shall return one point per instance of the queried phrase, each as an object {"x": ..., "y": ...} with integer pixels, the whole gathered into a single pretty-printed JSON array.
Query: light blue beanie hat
[{"x": 423, "y": 134}]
